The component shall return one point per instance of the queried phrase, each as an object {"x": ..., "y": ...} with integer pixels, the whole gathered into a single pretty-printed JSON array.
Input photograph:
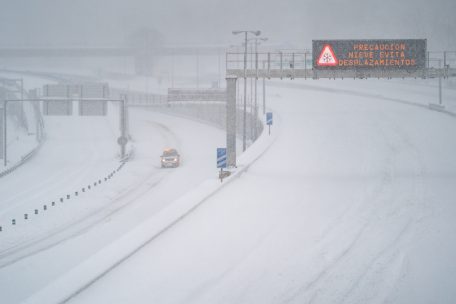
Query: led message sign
[{"x": 397, "y": 54}]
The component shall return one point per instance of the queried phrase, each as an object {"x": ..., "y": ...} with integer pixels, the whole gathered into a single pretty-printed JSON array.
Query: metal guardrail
[
  {"x": 177, "y": 95},
  {"x": 23, "y": 160}
]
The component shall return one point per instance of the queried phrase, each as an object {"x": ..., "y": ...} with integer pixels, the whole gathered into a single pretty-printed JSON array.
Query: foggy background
[{"x": 293, "y": 22}]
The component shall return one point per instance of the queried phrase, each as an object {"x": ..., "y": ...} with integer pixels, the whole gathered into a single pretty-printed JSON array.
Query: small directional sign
[
  {"x": 221, "y": 157},
  {"x": 269, "y": 118}
]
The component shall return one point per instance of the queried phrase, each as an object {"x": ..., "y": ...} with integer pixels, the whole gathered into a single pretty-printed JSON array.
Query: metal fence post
[
  {"x": 281, "y": 65},
  {"x": 305, "y": 65}
]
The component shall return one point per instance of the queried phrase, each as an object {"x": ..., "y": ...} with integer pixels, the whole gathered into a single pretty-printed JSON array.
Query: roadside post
[{"x": 269, "y": 120}]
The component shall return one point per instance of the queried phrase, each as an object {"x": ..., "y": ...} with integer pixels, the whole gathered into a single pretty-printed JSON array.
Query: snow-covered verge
[{"x": 354, "y": 203}]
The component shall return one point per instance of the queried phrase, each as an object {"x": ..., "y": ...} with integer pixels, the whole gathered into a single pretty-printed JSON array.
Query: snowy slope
[{"x": 353, "y": 203}]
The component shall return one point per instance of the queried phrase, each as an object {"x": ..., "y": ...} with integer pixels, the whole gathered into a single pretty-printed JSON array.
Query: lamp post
[
  {"x": 255, "y": 116},
  {"x": 4, "y": 135},
  {"x": 256, "y": 33}
]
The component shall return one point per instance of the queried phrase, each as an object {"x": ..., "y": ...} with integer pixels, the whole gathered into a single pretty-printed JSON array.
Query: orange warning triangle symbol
[{"x": 327, "y": 57}]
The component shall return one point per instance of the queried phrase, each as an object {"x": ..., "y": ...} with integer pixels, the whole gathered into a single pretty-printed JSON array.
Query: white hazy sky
[{"x": 107, "y": 22}]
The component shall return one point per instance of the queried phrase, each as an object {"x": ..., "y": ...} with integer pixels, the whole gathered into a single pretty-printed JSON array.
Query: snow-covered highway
[
  {"x": 78, "y": 151},
  {"x": 350, "y": 200},
  {"x": 353, "y": 203}
]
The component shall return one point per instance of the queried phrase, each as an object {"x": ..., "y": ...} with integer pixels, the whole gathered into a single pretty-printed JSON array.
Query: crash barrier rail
[
  {"x": 193, "y": 94},
  {"x": 23, "y": 160},
  {"x": 67, "y": 197}
]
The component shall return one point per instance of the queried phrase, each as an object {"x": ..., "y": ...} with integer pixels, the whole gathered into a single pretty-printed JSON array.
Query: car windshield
[{"x": 170, "y": 153}]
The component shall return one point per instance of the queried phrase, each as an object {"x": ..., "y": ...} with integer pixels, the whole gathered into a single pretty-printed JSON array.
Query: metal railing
[
  {"x": 299, "y": 64},
  {"x": 270, "y": 60}
]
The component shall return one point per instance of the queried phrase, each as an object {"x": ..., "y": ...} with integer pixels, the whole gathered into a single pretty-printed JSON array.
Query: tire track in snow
[
  {"x": 57, "y": 180},
  {"x": 63, "y": 234},
  {"x": 328, "y": 278}
]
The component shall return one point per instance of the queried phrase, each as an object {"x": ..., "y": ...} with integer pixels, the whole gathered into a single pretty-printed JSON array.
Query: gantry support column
[{"x": 231, "y": 121}]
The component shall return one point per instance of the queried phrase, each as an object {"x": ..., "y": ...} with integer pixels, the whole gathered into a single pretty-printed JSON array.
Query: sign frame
[{"x": 372, "y": 55}]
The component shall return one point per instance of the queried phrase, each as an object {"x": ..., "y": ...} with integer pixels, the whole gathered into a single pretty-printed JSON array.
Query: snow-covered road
[
  {"x": 353, "y": 203},
  {"x": 78, "y": 151}
]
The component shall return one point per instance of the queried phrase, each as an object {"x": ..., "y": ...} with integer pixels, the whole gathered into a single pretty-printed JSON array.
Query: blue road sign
[
  {"x": 221, "y": 157},
  {"x": 269, "y": 118}
]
